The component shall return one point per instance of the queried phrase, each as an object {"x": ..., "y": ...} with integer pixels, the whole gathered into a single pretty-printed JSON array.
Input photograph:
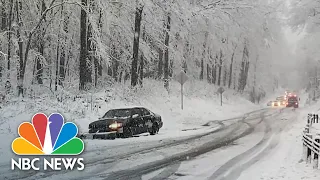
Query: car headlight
[{"x": 115, "y": 125}]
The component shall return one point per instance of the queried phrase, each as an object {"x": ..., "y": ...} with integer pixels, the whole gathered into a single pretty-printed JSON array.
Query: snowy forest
[
  {"x": 305, "y": 20},
  {"x": 90, "y": 44}
]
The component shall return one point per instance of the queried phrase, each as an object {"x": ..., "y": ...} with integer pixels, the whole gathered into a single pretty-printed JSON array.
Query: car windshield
[
  {"x": 292, "y": 99},
  {"x": 118, "y": 113}
]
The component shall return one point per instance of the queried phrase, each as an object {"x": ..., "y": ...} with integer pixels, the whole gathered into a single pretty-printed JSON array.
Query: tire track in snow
[
  {"x": 139, "y": 171},
  {"x": 233, "y": 168},
  {"x": 238, "y": 158}
]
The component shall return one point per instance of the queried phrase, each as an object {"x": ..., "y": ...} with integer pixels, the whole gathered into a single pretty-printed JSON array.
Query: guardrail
[{"x": 311, "y": 147}]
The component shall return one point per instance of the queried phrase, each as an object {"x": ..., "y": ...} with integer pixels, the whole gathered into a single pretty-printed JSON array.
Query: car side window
[
  {"x": 136, "y": 111},
  {"x": 145, "y": 112}
]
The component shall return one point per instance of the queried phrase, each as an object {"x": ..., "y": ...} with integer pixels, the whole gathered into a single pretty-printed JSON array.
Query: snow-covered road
[
  {"x": 272, "y": 152},
  {"x": 143, "y": 155}
]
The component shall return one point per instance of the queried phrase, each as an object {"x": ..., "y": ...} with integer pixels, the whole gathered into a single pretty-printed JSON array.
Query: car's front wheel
[
  {"x": 155, "y": 129},
  {"x": 127, "y": 132}
]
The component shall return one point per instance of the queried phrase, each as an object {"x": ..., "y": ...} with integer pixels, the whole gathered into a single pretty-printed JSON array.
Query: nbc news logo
[{"x": 47, "y": 136}]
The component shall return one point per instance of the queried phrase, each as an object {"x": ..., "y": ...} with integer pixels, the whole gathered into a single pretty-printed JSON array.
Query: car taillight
[{"x": 115, "y": 125}]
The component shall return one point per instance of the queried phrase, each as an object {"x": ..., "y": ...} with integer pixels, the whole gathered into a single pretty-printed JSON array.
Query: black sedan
[{"x": 126, "y": 122}]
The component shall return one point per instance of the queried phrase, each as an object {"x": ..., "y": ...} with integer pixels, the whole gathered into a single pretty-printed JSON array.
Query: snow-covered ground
[{"x": 200, "y": 106}]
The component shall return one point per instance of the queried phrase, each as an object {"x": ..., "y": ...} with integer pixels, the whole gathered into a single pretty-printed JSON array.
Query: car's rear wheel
[{"x": 155, "y": 129}]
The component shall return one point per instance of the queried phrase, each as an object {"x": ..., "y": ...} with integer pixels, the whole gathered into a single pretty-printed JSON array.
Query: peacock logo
[{"x": 47, "y": 136}]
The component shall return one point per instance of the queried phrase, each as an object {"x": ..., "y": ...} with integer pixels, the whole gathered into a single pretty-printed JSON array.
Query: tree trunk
[
  {"x": 208, "y": 73},
  {"x": 4, "y": 14},
  {"x": 9, "y": 36},
  {"x": 39, "y": 68},
  {"x": 220, "y": 68},
  {"x": 166, "y": 54},
  {"x": 234, "y": 80},
  {"x": 225, "y": 76},
  {"x": 255, "y": 72},
  {"x": 141, "y": 70},
  {"x": 57, "y": 65},
  {"x": 85, "y": 71},
  {"x": 203, "y": 55},
  {"x": 69, "y": 56},
  {"x": 90, "y": 45},
  {"x": 114, "y": 62},
  {"x": 115, "y": 67},
  {"x": 230, "y": 68},
  {"x": 134, "y": 65},
  {"x": 246, "y": 73},
  {"x": 58, "y": 54},
  {"x": 64, "y": 48},
  {"x": 171, "y": 68},
  {"x": 93, "y": 60},
  {"x": 97, "y": 60},
  {"x": 201, "y": 69},
  {"x": 214, "y": 70},
  {"x": 247, "y": 63},
  {"x": 244, "y": 69},
  {"x": 160, "y": 63},
  {"x": 2, "y": 28},
  {"x": 20, "y": 75},
  {"x": 255, "y": 95},
  {"x": 241, "y": 76}
]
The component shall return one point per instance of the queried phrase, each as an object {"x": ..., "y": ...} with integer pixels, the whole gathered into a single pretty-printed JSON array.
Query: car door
[
  {"x": 147, "y": 116},
  {"x": 136, "y": 120},
  {"x": 139, "y": 121}
]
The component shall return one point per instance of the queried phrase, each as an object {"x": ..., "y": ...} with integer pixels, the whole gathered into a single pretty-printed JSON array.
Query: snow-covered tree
[{"x": 95, "y": 41}]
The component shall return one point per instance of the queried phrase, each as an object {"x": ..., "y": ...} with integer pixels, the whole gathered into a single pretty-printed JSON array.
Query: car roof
[{"x": 129, "y": 107}]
